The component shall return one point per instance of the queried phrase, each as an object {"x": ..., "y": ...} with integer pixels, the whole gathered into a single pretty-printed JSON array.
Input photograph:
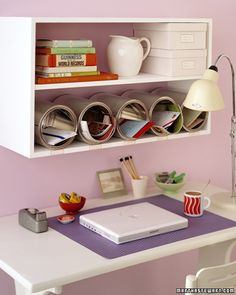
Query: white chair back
[{"x": 214, "y": 277}]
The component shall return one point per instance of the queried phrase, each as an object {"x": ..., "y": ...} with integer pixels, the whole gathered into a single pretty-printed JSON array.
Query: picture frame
[{"x": 111, "y": 182}]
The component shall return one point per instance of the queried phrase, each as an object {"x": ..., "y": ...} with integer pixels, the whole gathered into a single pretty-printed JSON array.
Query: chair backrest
[{"x": 220, "y": 276}]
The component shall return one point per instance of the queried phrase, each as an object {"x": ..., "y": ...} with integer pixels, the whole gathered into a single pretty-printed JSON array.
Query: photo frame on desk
[{"x": 111, "y": 182}]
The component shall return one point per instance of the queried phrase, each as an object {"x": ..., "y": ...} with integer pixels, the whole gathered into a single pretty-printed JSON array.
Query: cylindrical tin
[
  {"x": 123, "y": 108},
  {"x": 188, "y": 115},
  {"x": 85, "y": 110},
  {"x": 49, "y": 114},
  {"x": 158, "y": 102}
]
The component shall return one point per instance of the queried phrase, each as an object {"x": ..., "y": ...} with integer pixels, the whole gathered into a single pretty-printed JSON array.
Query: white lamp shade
[{"x": 204, "y": 94}]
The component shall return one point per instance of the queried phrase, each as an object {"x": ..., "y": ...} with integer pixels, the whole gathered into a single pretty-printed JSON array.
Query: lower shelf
[{"x": 77, "y": 146}]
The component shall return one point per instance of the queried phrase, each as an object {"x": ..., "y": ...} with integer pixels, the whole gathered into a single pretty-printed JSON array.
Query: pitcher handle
[{"x": 148, "y": 48}]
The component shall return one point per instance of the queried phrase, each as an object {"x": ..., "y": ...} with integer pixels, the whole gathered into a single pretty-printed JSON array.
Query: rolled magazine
[
  {"x": 96, "y": 123},
  {"x": 55, "y": 125},
  {"x": 125, "y": 110},
  {"x": 159, "y": 105}
]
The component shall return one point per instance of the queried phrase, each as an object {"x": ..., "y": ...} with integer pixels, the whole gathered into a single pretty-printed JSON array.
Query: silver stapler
[{"x": 33, "y": 220}]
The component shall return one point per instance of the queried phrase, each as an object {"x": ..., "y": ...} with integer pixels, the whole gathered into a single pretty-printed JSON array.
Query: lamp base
[{"x": 224, "y": 200}]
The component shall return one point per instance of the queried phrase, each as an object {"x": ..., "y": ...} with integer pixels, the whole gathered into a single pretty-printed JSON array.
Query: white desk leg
[
  {"x": 20, "y": 290},
  {"x": 217, "y": 254}
]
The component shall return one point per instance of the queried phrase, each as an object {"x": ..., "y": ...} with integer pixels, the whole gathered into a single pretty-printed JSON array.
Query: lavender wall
[{"x": 37, "y": 182}]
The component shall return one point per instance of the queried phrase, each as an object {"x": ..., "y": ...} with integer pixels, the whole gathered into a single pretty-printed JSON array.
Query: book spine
[
  {"x": 66, "y": 60},
  {"x": 65, "y": 50},
  {"x": 69, "y": 74},
  {"x": 102, "y": 76},
  {"x": 64, "y": 43},
  {"x": 50, "y": 70}
]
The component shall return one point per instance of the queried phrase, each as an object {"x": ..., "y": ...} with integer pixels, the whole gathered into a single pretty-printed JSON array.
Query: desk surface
[{"x": 46, "y": 260}]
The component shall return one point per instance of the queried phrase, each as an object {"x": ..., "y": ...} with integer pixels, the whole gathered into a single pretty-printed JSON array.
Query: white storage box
[
  {"x": 173, "y": 35},
  {"x": 175, "y": 62}
]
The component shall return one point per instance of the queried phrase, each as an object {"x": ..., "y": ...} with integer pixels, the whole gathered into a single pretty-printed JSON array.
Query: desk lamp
[{"x": 205, "y": 95}]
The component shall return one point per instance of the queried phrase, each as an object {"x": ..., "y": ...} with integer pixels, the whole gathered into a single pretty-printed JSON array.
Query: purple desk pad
[{"x": 198, "y": 226}]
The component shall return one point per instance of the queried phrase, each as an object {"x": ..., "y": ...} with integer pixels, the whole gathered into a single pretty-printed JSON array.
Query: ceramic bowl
[
  {"x": 171, "y": 187},
  {"x": 73, "y": 208}
]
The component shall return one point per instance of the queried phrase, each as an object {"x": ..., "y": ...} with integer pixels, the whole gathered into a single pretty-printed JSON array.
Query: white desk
[{"x": 47, "y": 261}]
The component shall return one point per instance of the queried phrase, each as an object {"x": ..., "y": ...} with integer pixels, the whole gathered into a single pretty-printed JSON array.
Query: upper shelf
[
  {"x": 116, "y": 20},
  {"x": 141, "y": 78}
]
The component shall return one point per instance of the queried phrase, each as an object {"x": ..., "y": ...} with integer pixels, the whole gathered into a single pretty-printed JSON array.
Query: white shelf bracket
[{"x": 21, "y": 290}]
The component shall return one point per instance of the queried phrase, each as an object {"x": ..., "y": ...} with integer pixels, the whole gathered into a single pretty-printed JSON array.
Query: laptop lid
[{"x": 132, "y": 222}]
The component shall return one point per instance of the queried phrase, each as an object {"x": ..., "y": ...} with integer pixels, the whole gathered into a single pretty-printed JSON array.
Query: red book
[
  {"x": 66, "y": 60},
  {"x": 102, "y": 76}
]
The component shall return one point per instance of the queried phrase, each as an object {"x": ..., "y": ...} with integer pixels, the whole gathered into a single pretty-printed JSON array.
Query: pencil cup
[{"x": 139, "y": 186}]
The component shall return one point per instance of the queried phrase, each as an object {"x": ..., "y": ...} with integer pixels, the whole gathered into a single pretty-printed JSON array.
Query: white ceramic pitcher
[{"x": 125, "y": 54}]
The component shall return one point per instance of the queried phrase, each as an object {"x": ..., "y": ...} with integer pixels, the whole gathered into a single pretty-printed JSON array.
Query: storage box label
[
  {"x": 186, "y": 38},
  {"x": 188, "y": 65}
]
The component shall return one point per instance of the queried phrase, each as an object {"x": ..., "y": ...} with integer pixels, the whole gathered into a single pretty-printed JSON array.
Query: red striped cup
[{"x": 195, "y": 203}]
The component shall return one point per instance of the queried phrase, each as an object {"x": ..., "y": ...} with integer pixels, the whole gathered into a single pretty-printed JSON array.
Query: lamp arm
[
  {"x": 232, "y": 74},
  {"x": 233, "y": 123}
]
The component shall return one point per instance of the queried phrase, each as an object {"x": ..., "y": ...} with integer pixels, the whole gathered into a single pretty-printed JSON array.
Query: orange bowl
[{"x": 73, "y": 208}]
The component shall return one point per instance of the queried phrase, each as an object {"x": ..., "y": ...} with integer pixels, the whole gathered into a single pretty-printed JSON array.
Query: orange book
[
  {"x": 66, "y": 60},
  {"x": 102, "y": 76}
]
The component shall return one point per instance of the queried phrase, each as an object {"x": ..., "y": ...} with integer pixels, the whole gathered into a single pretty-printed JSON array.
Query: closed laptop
[{"x": 132, "y": 222}]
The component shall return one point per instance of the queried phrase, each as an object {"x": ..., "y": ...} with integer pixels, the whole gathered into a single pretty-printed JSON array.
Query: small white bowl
[{"x": 65, "y": 219}]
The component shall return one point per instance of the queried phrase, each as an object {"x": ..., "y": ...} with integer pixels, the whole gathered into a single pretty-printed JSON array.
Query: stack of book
[{"x": 61, "y": 61}]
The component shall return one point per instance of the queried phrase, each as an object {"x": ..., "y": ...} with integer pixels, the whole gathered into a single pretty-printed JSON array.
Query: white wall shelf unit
[{"x": 19, "y": 91}]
